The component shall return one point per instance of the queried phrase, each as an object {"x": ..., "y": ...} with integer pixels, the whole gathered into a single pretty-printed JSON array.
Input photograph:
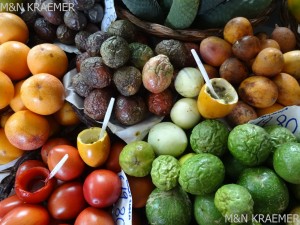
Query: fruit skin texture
[
  {"x": 13, "y": 62},
  {"x": 201, "y": 174},
  {"x": 209, "y": 136},
  {"x": 157, "y": 73},
  {"x": 27, "y": 130},
  {"x": 215, "y": 50},
  {"x": 237, "y": 28},
  {"x": 102, "y": 188},
  {"x": 268, "y": 190},
  {"x": 66, "y": 201},
  {"x": 205, "y": 211},
  {"x": 234, "y": 199},
  {"x": 173, "y": 144},
  {"x": 6, "y": 90},
  {"x": 288, "y": 89},
  {"x": 250, "y": 144},
  {"x": 291, "y": 63},
  {"x": 258, "y": 91},
  {"x": 43, "y": 94},
  {"x": 26, "y": 214},
  {"x": 12, "y": 28},
  {"x": 92, "y": 216},
  {"x": 286, "y": 162},
  {"x": 165, "y": 171},
  {"x": 136, "y": 158},
  {"x": 268, "y": 62},
  {"x": 47, "y": 58},
  {"x": 169, "y": 207}
]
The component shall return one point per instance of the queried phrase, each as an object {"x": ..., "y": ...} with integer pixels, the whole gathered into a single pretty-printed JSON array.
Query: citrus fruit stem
[
  {"x": 57, "y": 167},
  {"x": 204, "y": 74},
  {"x": 106, "y": 117}
]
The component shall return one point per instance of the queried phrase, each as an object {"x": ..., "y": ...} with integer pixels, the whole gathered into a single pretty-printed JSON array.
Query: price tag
[
  {"x": 288, "y": 117},
  {"x": 110, "y": 14},
  {"x": 122, "y": 209}
]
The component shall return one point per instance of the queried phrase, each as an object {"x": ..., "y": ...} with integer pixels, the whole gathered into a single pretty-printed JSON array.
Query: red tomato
[
  {"x": 9, "y": 203},
  {"x": 50, "y": 143},
  {"x": 73, "y": 167},
  {"x": 30, "y": 185},
  {"x": 112, "y": 162},
  {"x": 102, "y": 188},
  {"x": 140, "y": 188},
  {"x": 66, "y": 201},
  {"x": 94, "y": 216},
  {"x": 26, "y": 214},
  {"x": 29, "y": 164}
]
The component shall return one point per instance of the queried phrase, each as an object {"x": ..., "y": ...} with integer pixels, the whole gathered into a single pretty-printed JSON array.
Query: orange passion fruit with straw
[
  {"x": 93, "y": 143},
  {"x": 213, "y": 107},
  {"x": 93, "y": 150}
]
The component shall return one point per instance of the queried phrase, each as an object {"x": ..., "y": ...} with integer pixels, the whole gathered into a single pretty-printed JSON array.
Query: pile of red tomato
[{"x": 77, "y": 194}]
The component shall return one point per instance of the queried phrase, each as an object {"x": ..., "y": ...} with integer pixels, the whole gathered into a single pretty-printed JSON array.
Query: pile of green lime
[
  {"x": 225, "y": 176},
  {"x": 210, "y": 136}
]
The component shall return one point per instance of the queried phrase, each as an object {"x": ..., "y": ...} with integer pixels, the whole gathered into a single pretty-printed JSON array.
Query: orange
[
  {"x": 267, "y": 110},
  {"x": 93, "y": 151},
  {"x": 211, "y": 107},
  {"x": 6, "y": 90},
  {"x": 8, "y": 152},
  {"x": 27, "y": 130},
  {"x": 43, "y": 93},
  {"x": 13, "y": 59},
  {"x": 47, "y": 58},
  {"x": 12, "y": 28},
  {"x": 16, "y": 103},
  {"x": 66, "y": 115}
]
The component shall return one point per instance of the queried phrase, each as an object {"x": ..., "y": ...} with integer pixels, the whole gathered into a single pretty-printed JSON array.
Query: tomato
[
  {"x": 9, "y": 203},
  {"x": 50, "y": 143},
  {"x": 73, "y": 167},
  {"x": 29, "y": 164},
  {"x": 67, "y": 201},
  {"x": 140, "y": 188},
  {"x": 112, "y": 163},
  {"x": 102, "y": 188},
  {"x": 94, "y": 216},
  {"x": 30, "y": 185},
  {"x": 27, "y": 214}
]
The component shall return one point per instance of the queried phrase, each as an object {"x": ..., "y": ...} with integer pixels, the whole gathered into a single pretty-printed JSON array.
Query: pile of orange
[{"x": 30, "y": 88}]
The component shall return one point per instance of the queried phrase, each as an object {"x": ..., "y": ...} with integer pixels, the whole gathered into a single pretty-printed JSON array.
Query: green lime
[
  {"x": 268, "y": 190},
  {"x": 210, "y": 136},
  {"x": 250, "y": 144},
  {"x": 169, "y": 207},
  {"x": 235, "y": 203},
  {"x": 233, "y": 167},
  {"x": 201, "y": 174},
  {"x": 286, "y": 162},
  {"x": 279, "y": 135},
  {"x": 136, "y": 158},
  {"x": 205, "y": 211},
  {"x": 165, "y": 172}
]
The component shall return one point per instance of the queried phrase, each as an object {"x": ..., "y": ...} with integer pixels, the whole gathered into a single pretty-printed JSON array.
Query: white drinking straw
[
  {"x": 204, "y": 73},
  {"x": 107, "y": 117},
  {"x": 57, "y": 167}
]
